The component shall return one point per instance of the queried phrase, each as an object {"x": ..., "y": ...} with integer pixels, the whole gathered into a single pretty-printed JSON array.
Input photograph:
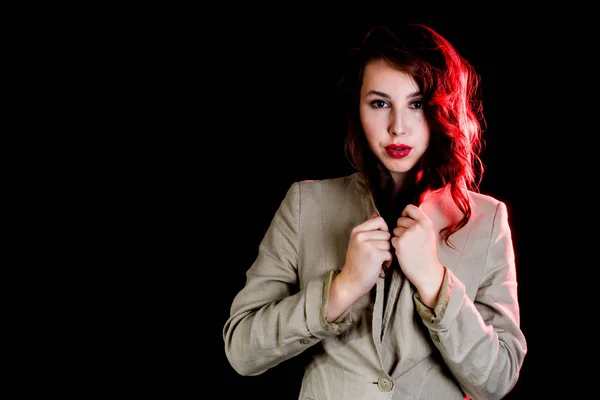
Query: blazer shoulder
[
  {"x": 485, "y": 204},
  {"x": 322, "y": 192},
  {"x": 336, "y": 183},
  {"x": 483, "y": 199}
]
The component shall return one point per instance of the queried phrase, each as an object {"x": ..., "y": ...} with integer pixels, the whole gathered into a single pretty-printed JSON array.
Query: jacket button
[
  {"x": 305, "y": 341},
  {"x": 435, "y": 337},
  {"x": 385, "y": 384}
]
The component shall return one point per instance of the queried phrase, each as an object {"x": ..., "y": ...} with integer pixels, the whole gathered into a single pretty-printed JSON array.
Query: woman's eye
[
  {"x": 417, "y": 104},
  {"x": 378, "y": 104}
]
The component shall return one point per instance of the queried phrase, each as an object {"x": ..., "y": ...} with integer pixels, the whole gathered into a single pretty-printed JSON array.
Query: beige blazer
[{"x": 470, "y": 345}]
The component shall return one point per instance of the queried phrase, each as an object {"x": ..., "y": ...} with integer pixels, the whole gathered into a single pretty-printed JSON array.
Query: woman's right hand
[{"x": 369, "y": 252}]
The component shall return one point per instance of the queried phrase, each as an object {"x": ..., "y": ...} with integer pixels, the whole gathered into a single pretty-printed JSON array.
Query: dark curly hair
[{"x": 453, "y": 107}]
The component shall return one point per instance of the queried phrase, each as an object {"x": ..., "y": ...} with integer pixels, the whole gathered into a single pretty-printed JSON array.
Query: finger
[
  {"x": 413, "y": 212},
  {"x": 382, "y": 244},
  {"x": 372, "y": 224},
  {"x": 387, "y": 260},
  {"x": 385, "y": 266},
  {"x": 405, "y": 222},
  {"x": 399, "y": 231},
  {"x": 364, "y": 236}
]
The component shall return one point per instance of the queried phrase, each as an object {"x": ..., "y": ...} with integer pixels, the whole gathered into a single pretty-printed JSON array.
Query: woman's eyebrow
[
  {"x": 386, "y": 96},
  {"x": 378, "y": 93}
]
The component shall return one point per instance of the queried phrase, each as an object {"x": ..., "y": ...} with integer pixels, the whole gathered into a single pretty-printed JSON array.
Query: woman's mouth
[{"x": 398, "y": 151}]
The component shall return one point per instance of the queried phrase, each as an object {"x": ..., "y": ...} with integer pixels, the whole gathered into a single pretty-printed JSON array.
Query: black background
[
  {"x": 260, "y": 111},
  {"x": 190, "y": 122},
  {"x": 280, "y": 122}
]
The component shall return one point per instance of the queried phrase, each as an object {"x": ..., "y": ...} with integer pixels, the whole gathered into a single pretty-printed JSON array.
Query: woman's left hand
[{"x": 415, "y": 244}]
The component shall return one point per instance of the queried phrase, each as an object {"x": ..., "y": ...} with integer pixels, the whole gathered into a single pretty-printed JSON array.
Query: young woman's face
[{"x": 393, "y": 118}]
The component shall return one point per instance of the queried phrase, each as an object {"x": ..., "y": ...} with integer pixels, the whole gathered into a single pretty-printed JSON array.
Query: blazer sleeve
[
  {"x": 272, "y": 318},
  {"x": 481, "y": 340}
]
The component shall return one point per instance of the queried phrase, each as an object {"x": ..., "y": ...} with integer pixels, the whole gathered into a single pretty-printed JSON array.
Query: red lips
[{"x": 398, "y": 150}]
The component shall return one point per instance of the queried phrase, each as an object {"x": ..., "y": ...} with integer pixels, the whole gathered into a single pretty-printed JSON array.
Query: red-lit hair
[{"x": 452, "y": 104}]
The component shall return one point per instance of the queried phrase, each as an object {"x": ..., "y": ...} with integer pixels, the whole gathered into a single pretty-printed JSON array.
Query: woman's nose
[{"x": 395, "y": 127}]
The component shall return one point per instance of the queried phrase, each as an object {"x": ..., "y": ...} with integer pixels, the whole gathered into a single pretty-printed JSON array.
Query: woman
[{"x": 400, "y": 279}]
